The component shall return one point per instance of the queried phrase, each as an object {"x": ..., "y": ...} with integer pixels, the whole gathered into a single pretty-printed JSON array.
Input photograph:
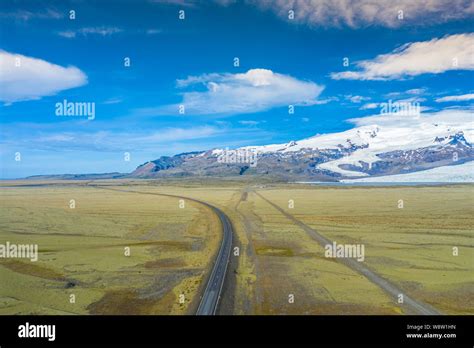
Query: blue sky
[{"x": 426, "y": 56}]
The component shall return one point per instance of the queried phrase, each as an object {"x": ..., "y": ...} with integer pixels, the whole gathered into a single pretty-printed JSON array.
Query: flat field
[
  {"x": 82, "y": 251},
  {"x": 408, "y": 235},
  {"x": 279, "y": 269}
]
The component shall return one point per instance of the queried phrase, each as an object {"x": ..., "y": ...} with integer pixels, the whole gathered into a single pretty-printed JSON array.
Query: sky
[{"x": 171, "y": 76}]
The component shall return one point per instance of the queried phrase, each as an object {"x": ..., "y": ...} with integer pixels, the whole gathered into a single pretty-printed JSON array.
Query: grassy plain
[
  {"x": 411, "y": 246},
  {"x": 82, "y": 248},
  {"x": 82, "y": 251}
]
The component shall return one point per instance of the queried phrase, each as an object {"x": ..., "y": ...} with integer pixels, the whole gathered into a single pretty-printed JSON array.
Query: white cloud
[
  {"x": 192, "y": 3},
  {"x": 254, "y": 91},
  {"x": 455, "y": 98},
  {"x": 249, "y": 122},
  {"x": 456, "y": 117},
  {"x": 182, "y": 3},
  {"x": 326, "y": 100},
  {"x": 25, "y": 15},
  {"x": 410, "y": 92},
  {"x": 225, "y": 2},
  {"x": 356, "y": 98},
  {"x": 414, "y": 102},
  {"x": 411, "y": 100},
  {"x": 435, "y": 56},
  {"x": 112, "y": 101},
  {"x": 363, "y": 13},
  {"x": 67, "y": 34},
  {"x": 103, "y": 31},
  {"x": 369, "y": 106},
  {"x": 34, "y": 78},
  {"x": 153, "y": 31},
  {"x": 416, "y": 91}
]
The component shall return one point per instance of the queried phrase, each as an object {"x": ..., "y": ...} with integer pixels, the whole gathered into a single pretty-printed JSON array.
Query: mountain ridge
[{"x": 366, "y": 151}]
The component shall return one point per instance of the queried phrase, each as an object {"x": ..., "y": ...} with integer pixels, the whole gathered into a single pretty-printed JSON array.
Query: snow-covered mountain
[{"x": 391, "y": 146}]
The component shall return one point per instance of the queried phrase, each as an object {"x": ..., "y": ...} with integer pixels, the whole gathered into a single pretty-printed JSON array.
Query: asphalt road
[
  {"x": 412, "y": 305},
  {"x": 212, "y": 293}
]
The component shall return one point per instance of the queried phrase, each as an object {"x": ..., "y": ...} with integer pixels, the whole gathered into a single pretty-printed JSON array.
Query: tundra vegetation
[{"x": 417, "y": 237}]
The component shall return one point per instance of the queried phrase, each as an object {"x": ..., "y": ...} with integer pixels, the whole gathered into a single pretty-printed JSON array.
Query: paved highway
[{"x": 212, "y": 293}]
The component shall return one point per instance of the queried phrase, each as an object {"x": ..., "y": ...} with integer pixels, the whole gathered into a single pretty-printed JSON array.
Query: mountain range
[{"x": 375, "y": 150}]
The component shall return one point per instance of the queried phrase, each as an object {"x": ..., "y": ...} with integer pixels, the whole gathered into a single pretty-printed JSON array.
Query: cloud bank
[
  {"x": 455, "y": 98},
  {"x": 363, "y": 13},
  {"x": 102, "y": 31},
  {"x": 24, "y": 15},
  {"x": 454, "y": 117},
  {"x": 34, "y": 78},
  {"x": 435, "y": 56},
  {"x": 254, "y": 91}
]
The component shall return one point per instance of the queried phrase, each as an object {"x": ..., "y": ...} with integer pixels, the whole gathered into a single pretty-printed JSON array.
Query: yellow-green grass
[
  {"x": 226, "y": 197},
  {"x": 82, "y": 248},
  {"x": 411, "y": 246},
  {"x": 82, "y": 251},
  {"x": 290, "y": 263},
  {"x": 278, "y": 258}
]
